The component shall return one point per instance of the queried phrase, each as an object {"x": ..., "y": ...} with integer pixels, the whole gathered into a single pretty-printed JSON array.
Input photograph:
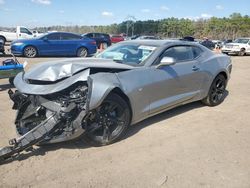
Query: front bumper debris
[{"x": 29, "y": 139}]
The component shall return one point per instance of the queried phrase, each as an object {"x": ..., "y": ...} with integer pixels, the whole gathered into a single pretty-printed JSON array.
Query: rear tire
[
  {"x": 82, "y": 52},
  {"x": 108, "y": 123},
  {"x": 30, "y": 52},
  {"x": 216, "y": 94}
]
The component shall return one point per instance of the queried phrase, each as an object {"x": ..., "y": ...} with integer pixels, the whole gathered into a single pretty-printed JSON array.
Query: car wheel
[
  {"x": 3, "y": 39},
  {"x": 30, "y": 51},
  {"x": 216, "y": 93},
  {"x": 242, "y": 52},
  {"x": 11, "y": 80},
  {"x": 108, "y": 123},
  {"x": 82, "y": 52}
]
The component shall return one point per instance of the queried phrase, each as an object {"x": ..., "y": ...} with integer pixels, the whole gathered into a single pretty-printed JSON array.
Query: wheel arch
[
  {"x": 119, "y": 92},
  {"x": 100, "y": 86},
  {"x": 223, "y": 73},
  {"x": 3, "y": 38}
]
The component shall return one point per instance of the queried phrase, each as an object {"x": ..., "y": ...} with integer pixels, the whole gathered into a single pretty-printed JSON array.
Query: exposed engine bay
[{"x": 51, "y": 110}]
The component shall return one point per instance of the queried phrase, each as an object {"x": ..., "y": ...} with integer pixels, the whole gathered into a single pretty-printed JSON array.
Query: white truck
[
  {"x": 240, "y": 46},
  {"x": 19, "y": 33}
]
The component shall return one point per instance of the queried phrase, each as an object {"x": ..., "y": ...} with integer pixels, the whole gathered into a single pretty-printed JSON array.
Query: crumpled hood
[{"x": 56, "y": 70}]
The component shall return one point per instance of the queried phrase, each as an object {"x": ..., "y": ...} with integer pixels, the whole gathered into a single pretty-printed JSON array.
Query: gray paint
[{"x": 150, "y": 89}]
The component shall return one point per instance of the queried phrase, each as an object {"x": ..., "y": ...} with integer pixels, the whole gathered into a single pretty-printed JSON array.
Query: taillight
[{"x": 93, "y": 42}]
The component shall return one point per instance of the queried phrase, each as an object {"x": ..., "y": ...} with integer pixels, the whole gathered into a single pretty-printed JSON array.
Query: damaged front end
[
  {"x": 43, "y": 119},
  {"x": 55, "y": 100}
]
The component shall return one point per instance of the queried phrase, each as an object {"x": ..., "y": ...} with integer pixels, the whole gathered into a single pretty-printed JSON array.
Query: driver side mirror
[{"x": 166, "y": 61}]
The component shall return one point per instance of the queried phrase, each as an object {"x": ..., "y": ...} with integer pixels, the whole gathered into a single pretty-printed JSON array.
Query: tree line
[{"x": 230, "y": 27}]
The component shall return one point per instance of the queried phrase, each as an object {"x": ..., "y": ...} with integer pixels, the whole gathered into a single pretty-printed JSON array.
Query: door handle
[{"x": 195, "y": 68}]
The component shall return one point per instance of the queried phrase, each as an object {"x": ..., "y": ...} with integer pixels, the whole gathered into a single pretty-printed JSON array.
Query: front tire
[
  {"x": 108, "y": 123},
  {"x": 3, "y": 39},
  {"x": 242, "y": 52},
  {"x": 30, "y": 52},
  {"x": 11, "y": 80},
  {"x": 82, "y": 52},
  {"x": 216, "y": 94}
]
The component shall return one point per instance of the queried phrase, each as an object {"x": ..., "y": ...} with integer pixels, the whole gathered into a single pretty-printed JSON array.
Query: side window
[
  {"x": 180, "y": 53},
  {"x": 24, "y": 30},
  {"x": 98, "y": 35},
  {"x": 90, "y": 35},
  {"x": 197, "y": 51},
  {"x": 69, "y": 36},
  {"x": 53, "y": 36}
]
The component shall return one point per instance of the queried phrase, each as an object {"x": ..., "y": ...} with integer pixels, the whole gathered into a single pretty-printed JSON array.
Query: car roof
[
  {"x": 159, "y": 43},
  {"x": 60, "y": 32}
]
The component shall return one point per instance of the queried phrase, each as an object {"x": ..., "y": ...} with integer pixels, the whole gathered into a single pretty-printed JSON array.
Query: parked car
[
  {"x": 100, "y": 97},
  {"x": 147, "y": 37},
  {"x": 37, "y": 33},
  {"x": 208, "y": 43},
  {"x": 100, "y": 38},
  {"x": 2, "y": 47},
  {"x": 116, "y": 38},
  {"x": 240, "y": 46},
  {"x": 55, "y": 44},
  {"x": 188, "y": 38},
  {"x": 217, "y": 44},
  {"x": 134, "y": 37},
  {"x": 19, "y": 33}
]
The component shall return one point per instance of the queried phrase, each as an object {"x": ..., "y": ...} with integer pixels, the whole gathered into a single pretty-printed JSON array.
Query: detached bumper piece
[{"x": 29, "y": 139}]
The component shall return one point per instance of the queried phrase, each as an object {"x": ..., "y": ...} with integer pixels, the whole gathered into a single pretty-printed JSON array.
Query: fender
[{"x": 99, "y": 86}]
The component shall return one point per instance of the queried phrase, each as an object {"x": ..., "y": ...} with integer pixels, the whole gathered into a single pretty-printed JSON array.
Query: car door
[
  {"x": 50, "y": 45},
  {"x": 70, "y": 42},
  {"x": 24, "y": 33},
  {"x": 177, "y": 83}
]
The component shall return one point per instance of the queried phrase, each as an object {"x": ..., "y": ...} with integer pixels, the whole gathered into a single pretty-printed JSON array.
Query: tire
[
  {"x": 30, "y": 51},
  {"x": 11, "y": 80},
  {"x": 108, "y": 123},
  {"x": 3, "y": 39},
  {"x": 242, "y": 52},
  {"x": 82, "y": 52},
  {"x": 216, "y": 94}
]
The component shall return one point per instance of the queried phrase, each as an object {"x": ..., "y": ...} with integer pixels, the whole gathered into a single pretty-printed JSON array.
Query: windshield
[
  {"x": 242, "y": 41},
  {"x": 132, "y": 54}
]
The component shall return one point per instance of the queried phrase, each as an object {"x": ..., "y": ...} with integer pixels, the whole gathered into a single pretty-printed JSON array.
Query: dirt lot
[{"x": 191, "y": 146}]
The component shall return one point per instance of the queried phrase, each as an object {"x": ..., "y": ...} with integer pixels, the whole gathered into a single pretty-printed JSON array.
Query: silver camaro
[{"x": 100, "y": 97}]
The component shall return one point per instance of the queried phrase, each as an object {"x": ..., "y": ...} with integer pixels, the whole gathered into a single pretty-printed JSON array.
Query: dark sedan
[{"x": 55, "y": 44}]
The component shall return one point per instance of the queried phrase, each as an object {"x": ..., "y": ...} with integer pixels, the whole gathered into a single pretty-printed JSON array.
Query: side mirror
[
  {"x": 166, "y": 61},
  {"x": 45, "y": 39}
]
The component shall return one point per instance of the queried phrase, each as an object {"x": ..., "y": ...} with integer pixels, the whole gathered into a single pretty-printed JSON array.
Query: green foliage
[{"x": 232, "y": 27}]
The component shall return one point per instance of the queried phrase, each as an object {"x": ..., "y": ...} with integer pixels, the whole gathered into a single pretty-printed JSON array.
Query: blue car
[{"x": 55, "y": 44}]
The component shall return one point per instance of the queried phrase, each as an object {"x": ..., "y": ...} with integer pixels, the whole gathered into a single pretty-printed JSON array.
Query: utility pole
[{"x": 130, "y": 21}]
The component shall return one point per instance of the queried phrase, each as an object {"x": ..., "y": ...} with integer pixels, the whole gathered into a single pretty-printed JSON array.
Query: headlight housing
[{"x": 18, "y": 44}]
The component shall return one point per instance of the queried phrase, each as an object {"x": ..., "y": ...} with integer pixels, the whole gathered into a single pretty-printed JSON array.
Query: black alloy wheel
[
  {"x": 216, "y": 94},
  {"x": 108, "y": 123}
]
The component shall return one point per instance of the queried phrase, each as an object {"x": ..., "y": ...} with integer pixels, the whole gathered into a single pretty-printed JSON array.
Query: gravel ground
[{"x": 190, "y": 146}]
